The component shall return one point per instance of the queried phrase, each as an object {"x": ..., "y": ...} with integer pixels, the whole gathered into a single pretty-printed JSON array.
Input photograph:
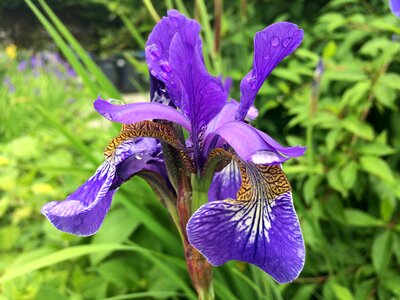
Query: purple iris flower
[
  {"x": 395, "y": 7},
  {"x": 250, "y": 214}
]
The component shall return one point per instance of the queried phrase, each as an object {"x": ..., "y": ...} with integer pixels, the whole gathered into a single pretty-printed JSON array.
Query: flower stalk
[{"x": 199, "y": 269}]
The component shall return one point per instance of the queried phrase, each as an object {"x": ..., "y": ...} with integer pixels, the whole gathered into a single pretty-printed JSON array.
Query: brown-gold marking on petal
[{"x": 150, "y": 129}]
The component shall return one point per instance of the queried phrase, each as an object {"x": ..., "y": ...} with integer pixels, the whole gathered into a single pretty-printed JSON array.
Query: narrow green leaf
[
  {"x": 76, "y": 142},
  {"x": 145, "y": 295},
  {"x": 116, "y": 228},
  {"x": 67, "y": 52},
  {"x": 101, "y": 78},
  {"x": 132, "y": 29},
  {"x": 381, "y": 252}
]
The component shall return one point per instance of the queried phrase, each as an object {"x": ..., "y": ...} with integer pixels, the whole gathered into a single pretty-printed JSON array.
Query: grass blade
[
  {"x": 77, "y": 143},
  {"x": 132, "y": 30},
  {"x": 101, "y": 78},
  {"x": 66, "y": 51}
]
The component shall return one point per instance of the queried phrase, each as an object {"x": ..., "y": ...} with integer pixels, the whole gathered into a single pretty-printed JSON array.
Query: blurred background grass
[{"x": 346, "y": 188}]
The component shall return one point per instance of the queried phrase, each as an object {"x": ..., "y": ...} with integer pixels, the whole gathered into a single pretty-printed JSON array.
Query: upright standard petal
[
  {"x": 202, "y": 95},
  {"x": 137, "y": 112},
  {"x": 260, "y": 227},
  {"x": 83, "y": 212},
  {"x": 271, "y": 46}
]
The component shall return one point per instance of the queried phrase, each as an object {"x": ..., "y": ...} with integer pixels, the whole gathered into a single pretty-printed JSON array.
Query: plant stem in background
[
  {"x": 152, "y": 11},
  {"x": 218, "y": 10},
  {"x": 313, "y": 109}
]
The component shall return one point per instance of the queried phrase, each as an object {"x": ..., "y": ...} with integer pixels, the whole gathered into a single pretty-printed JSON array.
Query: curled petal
[
  {"x": 225, "y": 183},
  {"x": 260, "y": 227},
  {"x": 202, "y": 95},
  {"x": 137, "y": 112},
  {"x": 249, "y": 144},
  {"x": 83, "y": 211},
  {"x": 271, "y": 46}
]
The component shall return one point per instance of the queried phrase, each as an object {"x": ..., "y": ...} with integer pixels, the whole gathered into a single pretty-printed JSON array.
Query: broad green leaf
[
  {"x": 359, "y": 218},
  {"x": 384, "y": 94},
  {"x": 304, "y": 292},
  {"x": 387, "y": 207},
  {"x": 378, "y": 167},
  {"x": 355, "y": 94},
  {"x": 329, "y": 50},
  {"x": 335, "y": 181},
  {"x": 391, "y": 80},
  {"x": 341, "y": 292},
  {"x": 381, "y": 251},
  {"x": 375, "y": 149},
  {"x": 349, "y": 174},
  {"x": 358, "y": 128}
]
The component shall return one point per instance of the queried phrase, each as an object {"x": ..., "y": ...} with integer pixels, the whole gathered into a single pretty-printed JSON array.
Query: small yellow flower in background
[
  {"x": 42, "y": 188},
  {"x": 11, "y": 51}
]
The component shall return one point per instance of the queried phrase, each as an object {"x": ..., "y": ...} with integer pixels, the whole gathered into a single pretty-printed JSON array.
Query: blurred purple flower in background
[
  {"x": 250, "y": 214},
  {"x": 395, "y": 7}
]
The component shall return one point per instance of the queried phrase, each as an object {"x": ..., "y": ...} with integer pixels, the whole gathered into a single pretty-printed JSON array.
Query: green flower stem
[
  {"x": 192, "y": 195},
  {"x": 200, "y": 186}
]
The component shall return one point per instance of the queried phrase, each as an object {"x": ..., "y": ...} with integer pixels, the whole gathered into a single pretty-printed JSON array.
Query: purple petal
[
  {"x": 136, "y": 112},
  {"x": 226, "y": 183},
  {"x": 202, "y": 95},
  {"x": 158, "y": 46},
  {"x": 83, "y": 212},
  {"x": 395, "y": 7},
  {"x": 246, "y": 141},
  {"x": 266, "y": 235},
  {"x": 271, "y": 46},
  {"x": 174, "y": 56}
]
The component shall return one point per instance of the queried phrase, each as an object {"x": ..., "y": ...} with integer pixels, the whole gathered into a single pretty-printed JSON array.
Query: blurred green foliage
[{"x": 346, "y": 187}]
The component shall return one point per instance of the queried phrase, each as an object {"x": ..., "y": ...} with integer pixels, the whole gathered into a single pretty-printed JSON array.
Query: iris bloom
[
  {"x": 395, "y": 7},
  {"x": 249, "y": 215}
]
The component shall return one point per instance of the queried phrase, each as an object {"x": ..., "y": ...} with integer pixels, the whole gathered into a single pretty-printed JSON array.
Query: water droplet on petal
[
  {"x": 116, "y": 101},
  {"x": 154, "y": 51},
  {"x": 108, "y": 116},
  {"x": 164, "y": 65},
  {"x": 266, "y": 57},
  {"x": 286, "y": 42},
  {"x": 163, "y": 75},
  {"x": 138, "y": 157},
  {"x": 172, "y": 83},
  {"x": 274, "y": 41}
]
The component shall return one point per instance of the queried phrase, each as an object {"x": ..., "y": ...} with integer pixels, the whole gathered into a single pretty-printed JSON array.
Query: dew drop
[
  {"x": 116, "y": 101},
  {"x": 138, "y": 157},
  {"x": 107, "y": 116},
  {"x": 286, "y": 42},
  {"x": 163, "y": 75},
  {"x": 266, "y": 57},
  {"x": 172, "y": 83},
  {"x": 274, "y": 41},
  {"x": 164, "y": 65},
  {"x": 154, "y": 51}
]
